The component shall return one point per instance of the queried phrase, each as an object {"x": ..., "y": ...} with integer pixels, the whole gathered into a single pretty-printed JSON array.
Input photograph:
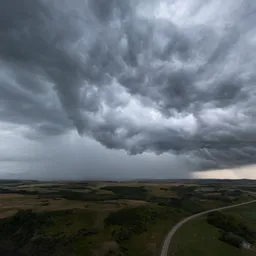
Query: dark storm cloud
[{"x": 134, "y": 75}]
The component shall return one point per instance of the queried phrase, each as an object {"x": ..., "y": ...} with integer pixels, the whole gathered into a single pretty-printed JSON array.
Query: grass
[
  {"x": 10, "y": 204},
  {"x": 149, "y": 243},
  {"x": 71, "y": 223},
  {"x": 247, "y": 213},
  {"x": 202, "y": 239},
  {"x": 69, "y": 231},
  {"x": 73, "y": 232},
  {"x": 159, "y": 191},
  {"x": 98, "y": 243},
  {"x": 198, "y": 238},
  {"x": 146, "y": 243}
]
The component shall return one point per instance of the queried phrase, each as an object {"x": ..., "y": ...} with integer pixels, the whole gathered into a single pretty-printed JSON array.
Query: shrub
[
  {"x": 133, "y": 219},
  {"x": 231, "y": 239},
  {"x": 22, "y": 226},
  {"x": 122, "y": 233},
  {"x": 228, "y": 223},
  {"x": 135, "y": 193}
]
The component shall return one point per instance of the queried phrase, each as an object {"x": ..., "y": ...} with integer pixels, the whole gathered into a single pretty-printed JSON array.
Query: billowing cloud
[{"x": 141, "y": 75}]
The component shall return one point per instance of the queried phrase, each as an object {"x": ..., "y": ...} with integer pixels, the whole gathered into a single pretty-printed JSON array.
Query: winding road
[{"x": 170, "y": 235}]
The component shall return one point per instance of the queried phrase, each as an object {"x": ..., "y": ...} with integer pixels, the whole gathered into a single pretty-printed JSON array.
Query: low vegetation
[
  {"x": 131, "y": 221},
  {"x": 233, "y": 228},
  {"x": 84, "y": 233},
  {"x": 232, "y": 239},
  {"x": 104, "y": 218},
  {"x": 218, "y": 233},
  {"x": 198, "y": 238}
]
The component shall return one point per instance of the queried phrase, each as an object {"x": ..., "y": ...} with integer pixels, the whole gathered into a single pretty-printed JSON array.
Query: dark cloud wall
[{"x": 143, "y": 76}]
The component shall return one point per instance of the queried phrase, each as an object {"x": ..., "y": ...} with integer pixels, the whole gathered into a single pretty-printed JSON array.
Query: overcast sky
[{"x": 127, "y": 89}]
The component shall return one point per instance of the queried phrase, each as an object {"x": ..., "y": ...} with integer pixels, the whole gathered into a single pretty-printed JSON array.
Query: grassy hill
[{"x": 199, "y": 238}]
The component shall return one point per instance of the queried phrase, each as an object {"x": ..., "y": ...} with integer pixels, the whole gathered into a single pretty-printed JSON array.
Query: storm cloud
[{"x": 154, "y": 76}]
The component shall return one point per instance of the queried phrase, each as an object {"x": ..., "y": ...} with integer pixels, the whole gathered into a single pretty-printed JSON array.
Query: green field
[
  {"x": 199, "y": 238},
  {"x": 247, "y": 213}
]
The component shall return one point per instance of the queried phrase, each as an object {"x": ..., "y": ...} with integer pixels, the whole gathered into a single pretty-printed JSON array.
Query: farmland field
[
  {"x": 198, "y": 238},
  {"x": 103, "y": 218},
  {"x": 201, "y": 238}
]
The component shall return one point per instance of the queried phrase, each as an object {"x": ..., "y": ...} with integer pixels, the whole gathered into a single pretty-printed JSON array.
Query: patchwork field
[{"x": 108, "y": 218}]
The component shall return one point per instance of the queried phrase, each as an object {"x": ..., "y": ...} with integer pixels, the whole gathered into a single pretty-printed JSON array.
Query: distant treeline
[
  {"x": 184, "y": 200},
  {"x": 10, "y": 181},
  {"x": 248, "y": 188},
  {"x": 66, "y": 194},
  {"x": 182, "y": 203},
  {"x": 133, "y": 193}
]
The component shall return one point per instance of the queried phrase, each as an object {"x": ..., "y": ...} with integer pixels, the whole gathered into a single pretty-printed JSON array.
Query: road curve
[{"x": 170, "y": 235}]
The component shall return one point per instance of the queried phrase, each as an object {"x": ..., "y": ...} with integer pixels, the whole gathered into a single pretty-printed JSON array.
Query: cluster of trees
[
  {"x": 183, "y": 190},
  {"x": 189, "y": 191},
  {"x": 120, "y": 192},
  {"x": 162, "y": 201},
  {"x": 23, "y": 231},
  {"x": 231, "y": 239},
  {"x": 192, "y": 206},
  {"x": 22, "y": 226},
  {"x": 236, "y": 192},
  {"x": 231, "y": 225},
  {"x": 248, "y": 188},
  {"x": 125, "y": 192},
  {"x": 221, "y": 198},
  {"x": 130, "y": 221},
  {"x": 177, "y": 202},
  {"x": 63, "y": 193}
]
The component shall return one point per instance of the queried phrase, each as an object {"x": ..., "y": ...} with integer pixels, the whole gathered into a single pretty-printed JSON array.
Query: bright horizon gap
[{"x": 244, "y": 172}]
